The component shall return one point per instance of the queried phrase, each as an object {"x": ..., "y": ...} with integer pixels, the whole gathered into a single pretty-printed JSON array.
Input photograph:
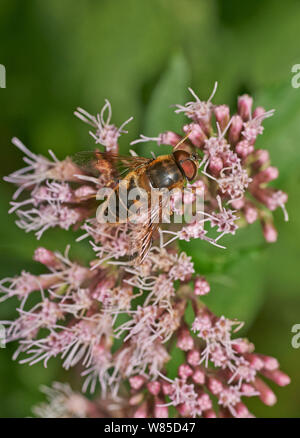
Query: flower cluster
[
  {"x": 233, "y": 172},
  {"x": 118, "y": 321}
]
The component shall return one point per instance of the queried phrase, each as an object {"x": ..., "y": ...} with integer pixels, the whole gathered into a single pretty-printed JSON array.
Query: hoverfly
[{"x": 167, "y": 172}]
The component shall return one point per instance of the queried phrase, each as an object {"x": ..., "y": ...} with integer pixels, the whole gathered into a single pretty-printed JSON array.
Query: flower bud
[
  {"x": 201, "y": 286},
  {"x": 245, "y": 106},
  {"x": 136, "y": 382},
  {"x": 184, "y": 371},
  {"x": 266, "y": 395},
  {"x": 193, "y": 357},
  {"x": 185, "y": 341},
  {"x": 153, "y": 387},
  {"x": 199, "y": 377},
  {"x": 235, "y": 129},
  {"x": 222, "y": 114},
  {"x": 196, "y": 134},
  {"x": 269, "y": 232}
]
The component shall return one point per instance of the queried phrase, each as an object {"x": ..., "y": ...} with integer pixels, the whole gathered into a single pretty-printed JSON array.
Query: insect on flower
[{"x": 140, "y": 189}]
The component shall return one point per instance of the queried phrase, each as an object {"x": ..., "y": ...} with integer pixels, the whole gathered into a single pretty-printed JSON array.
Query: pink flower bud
[
  {"x": 84, "y": 192},
  {"x": 46, "y": 257},
  {"x": 244, "y": 148},
  {"x": 197, "y": 136},
  {"x": 170, "y": 138},
  {"x": 209, "y": 414},
  {"x": 153, "y": 387},
  {"x": 271, "y": 198},
  {"x": 193, "y": 357},
  {"x": 215, "y": 165},
  {"x": 266, "y": 395},
  {"x": 136, "y": 382},
  {"x": 258, "y": 112},
  {"x": 199, "y": 377},
  {"x": 248, "y": 390},
  {"x": 184, "y": 409},
  {"x": 214, "y": 385},
  {"x": 241, "y": 410},
  {"x": 250, "y": 212},
  {"x": 255, "y": 361},
  {"x": 242, "y": 346},
  {"x": 184, "y": 371},
  {"x": 222, "y": 114},
  {"x": 277, "y": 376},
  {"x": 245, "y": 106},
  {"x": 266, "y": 175},
  {"x": 185, "y": 341},
  {"x": 204, "y": 402},
  {"x": 261, "y": 157},
  {"x": 269, "y": 232},
  {"x": 237, "y": 204},
  {"x": 167, "y": 388},
  {"x": 269, "y": 363},
  {"x": 79, "y": 274},
  {"x": 201, "y": 286},
  {"x": 235, "y": 129}
]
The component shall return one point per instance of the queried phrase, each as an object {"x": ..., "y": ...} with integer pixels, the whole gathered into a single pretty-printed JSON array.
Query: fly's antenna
[{"x": 182, "y": 140}]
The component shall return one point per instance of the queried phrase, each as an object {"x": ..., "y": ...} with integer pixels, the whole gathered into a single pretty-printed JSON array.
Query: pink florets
[{"x": 120, "y": 321}]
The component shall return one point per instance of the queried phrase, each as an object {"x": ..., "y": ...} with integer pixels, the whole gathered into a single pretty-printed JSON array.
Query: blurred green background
[{"x": 143, "y": 55}]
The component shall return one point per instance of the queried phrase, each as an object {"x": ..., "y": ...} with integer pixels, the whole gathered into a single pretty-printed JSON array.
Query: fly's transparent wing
[
  {"x": 95, "y": 161},
  {"x": 142, "y": 237}
]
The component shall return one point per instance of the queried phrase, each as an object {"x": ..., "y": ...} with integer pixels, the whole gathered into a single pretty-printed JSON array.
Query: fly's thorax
[{"x": 164, "y": 172}]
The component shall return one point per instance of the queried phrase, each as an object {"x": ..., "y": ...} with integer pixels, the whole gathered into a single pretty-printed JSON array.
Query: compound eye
[
  {"x": 180, "y": 155},
  {"x": 189, "y": 168}
]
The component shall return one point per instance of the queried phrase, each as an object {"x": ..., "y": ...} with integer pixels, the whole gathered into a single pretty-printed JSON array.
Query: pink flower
[
  {"x": 201, "y": 286},
  {"x": 199, "y": 111},
  {"x": 118, "y": 320},
  {"x": 106, "y": 133}
]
